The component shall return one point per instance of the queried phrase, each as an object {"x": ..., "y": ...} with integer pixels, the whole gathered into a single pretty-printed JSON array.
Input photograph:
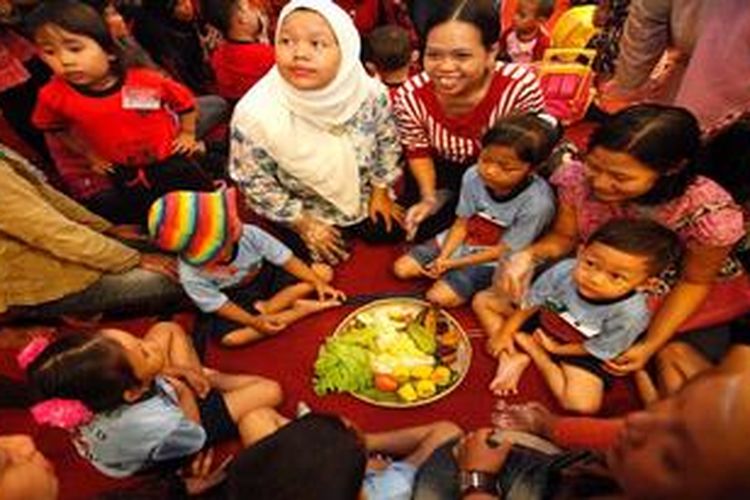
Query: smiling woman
[{"x": 443, "y": 112}]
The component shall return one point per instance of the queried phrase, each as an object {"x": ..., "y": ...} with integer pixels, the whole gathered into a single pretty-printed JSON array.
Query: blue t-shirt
[
  {"x": 132, "y": 437},
  {"x": 203, "y": 285},
  {"x": 609, "y": 328},
  {"x": 521, "y": 219},
  {"x": 395, "y": 482}
]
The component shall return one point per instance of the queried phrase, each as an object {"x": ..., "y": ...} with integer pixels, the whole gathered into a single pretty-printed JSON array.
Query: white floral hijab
[{"x": 302, "y": 130}]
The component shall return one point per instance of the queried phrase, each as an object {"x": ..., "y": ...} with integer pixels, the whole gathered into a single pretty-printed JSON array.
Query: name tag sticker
[{"x": 141, "y": 98}]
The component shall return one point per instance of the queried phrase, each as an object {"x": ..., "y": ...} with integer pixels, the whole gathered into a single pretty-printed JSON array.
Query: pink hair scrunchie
[
  {"x": 32, "y": 351},
  {"x": 63, "y": 413}
]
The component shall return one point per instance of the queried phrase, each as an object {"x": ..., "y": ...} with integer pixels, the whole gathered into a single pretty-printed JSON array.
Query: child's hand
[
  {"x": 101, "y": 166},
  {"x": 196, "y": 485},
  {"x": 185, "y": 144},
  {"x": 550, "y": 345},
  {"x": 327, "y": 292},
  {"x": 268, "y": 325},
  {"x": 197, "y": 381},
  {"x": 437, "y": 267},
  {"x": 499, "y": 344}
]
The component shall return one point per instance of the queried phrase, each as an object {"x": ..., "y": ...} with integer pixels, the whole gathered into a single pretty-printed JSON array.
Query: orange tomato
[{"x": 385, "y": 383}]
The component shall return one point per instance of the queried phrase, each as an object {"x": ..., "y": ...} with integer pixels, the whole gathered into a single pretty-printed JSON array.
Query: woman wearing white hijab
[{"x": 314, "y": 145}]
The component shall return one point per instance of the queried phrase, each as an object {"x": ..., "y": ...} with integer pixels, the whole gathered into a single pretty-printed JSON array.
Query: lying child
[
  {"x": 331, "y": 454},
  {"x": 221, "y": 267},
  {"x": 585, "y": 311},
  {"x": 134, "y": 403},
  {"x": 503, "y": 206}
]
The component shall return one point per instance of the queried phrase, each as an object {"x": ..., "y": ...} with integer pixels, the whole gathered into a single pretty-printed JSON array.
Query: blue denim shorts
[{"x": 466, "y": 281}]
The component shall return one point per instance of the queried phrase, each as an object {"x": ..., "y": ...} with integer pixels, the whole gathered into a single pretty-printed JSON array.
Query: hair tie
[
  {"x": 32, "y": 351},
  {"x": 63, "y": 413},
  {"x": 548, "y": 119}
]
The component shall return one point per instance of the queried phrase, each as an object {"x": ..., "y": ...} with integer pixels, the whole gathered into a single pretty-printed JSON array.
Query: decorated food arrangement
[{"x": 396, "y": 353}]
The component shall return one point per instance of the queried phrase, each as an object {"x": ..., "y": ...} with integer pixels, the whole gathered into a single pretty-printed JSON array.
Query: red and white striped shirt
[{"x": 426, "y": 131}]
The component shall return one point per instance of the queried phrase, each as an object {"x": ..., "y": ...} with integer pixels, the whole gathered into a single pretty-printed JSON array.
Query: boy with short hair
[
  {"x": 527, "y": 39},
  {"x": 388, "y": 55},
  {"x": 242, "y": 59},
  {"x": 222, "y": 267},
  {"x": 585, "y": 311}
]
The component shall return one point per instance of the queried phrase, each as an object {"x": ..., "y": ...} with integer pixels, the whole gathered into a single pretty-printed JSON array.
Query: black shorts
[
  {"x": 589, "y": 363},
  {"x": 216, "y": 419},
  {"x": 269, "y": 281}
]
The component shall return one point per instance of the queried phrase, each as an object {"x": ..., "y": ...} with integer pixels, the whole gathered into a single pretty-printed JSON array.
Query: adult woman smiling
[
  {"x": 639, "y": 164},
  {"x": 443, "y": 112}
]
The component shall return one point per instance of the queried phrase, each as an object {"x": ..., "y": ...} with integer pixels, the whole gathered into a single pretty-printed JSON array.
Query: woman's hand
[
  {"x": 327, "y": 292},
  {"x": 381, "y": 205},
  {"x": 479, "y": 451},
  {"x": 161, "y": 264},
  {"x": 418, "y": 213},
  {"x": 324, "y": 240},
  {"x": 634, "y": 359},
  {"x": 516, "y": 275}
]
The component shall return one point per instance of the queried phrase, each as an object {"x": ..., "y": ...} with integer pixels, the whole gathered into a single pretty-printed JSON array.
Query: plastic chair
[
  {"x": 567, "y": 81},
  {"x": 574, "y": 28}
]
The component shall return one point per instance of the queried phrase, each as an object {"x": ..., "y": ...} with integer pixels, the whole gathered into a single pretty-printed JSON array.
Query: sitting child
[
  {"x": 503, "y": 206},
  {"x": 147, "y": 152},
  {"x": 330, "y": 453},
  {"x": 241, "y": 60},
  {"x": 388, "y": 55},
  {"x": 527, "y": 39},
  {"x": 221, "y": 268},
  {"x": 583, "y": 312},
  {"x": 134, "y": 403}
]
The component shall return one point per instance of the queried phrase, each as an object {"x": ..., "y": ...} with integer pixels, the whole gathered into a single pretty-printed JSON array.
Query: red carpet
[{"x": 289, "y": 357}]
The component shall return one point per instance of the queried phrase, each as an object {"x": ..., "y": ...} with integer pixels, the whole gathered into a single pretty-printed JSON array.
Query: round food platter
[{"x": 395, "y": 353}]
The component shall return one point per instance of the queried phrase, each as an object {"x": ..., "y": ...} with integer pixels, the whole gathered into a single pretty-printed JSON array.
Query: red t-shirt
[
  {"x": 239, "y": 65},
  {"x": 133, "y": 123}
]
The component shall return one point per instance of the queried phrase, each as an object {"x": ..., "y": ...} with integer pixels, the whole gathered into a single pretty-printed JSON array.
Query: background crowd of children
[{"x": 171, "y": 124}]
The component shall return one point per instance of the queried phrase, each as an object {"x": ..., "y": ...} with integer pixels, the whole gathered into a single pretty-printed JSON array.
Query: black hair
[
  {"x": 387, "y": 47},
  {"x": 545, "y": 8},
  {"x": 726, "y": 159},
  {"x": 667, "y": 139},
  {"x": 78, "y": 18},
  {"x": 531, "y": 137},
  {"x": 642, "y": 237},
  {"x": 219, "y": 14},
  {"x": 316, "y": 457},
  {"x": 480, "y": 13},
  {"x": 91, "y": 369}
]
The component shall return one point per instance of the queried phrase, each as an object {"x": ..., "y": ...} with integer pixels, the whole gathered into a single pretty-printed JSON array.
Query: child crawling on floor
[
  {"x": 581, "y": 312},
  {"x": 223, "y": 270}
]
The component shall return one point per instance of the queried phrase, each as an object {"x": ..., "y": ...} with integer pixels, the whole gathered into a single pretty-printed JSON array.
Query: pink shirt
[{"x": 704, "y": 215}]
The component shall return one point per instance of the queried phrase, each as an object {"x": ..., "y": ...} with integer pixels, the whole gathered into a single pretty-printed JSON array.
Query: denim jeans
[{"x": 137, "y": 292}]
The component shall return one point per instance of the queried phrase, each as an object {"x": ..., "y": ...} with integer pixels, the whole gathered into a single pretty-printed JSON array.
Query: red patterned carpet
[{"x": 289, "y": 357}]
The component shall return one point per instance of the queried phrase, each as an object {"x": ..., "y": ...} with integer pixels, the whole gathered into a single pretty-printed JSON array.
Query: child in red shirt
[
  {"x": 241, "y": 60},
  {"x": 133, "y": 124},
  {"x": 527, "y": 39}
]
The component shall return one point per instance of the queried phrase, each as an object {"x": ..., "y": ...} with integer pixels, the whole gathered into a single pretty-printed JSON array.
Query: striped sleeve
[
  {"x": 522, "y": 95},
  {"x": 411, "y": 115}
]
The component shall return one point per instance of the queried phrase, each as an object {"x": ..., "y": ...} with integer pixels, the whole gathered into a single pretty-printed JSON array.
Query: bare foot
[
  {"x": 510, "y": 367},
  {"x": 260, "y": 306},
  {"x": 241, "y": 337},
  {"x": 532, "y": 417},
  {"x": 309, "y": 306}
]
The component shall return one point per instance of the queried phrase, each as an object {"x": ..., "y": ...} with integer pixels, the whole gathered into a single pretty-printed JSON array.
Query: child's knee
[
  {"x": 323, "y": 271},
  {"x": 585, "y": 404},
  {"x": 271, "y": 392},
  {"x": 443, "y": 295},
  {"x": 406, "y": 267}
]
